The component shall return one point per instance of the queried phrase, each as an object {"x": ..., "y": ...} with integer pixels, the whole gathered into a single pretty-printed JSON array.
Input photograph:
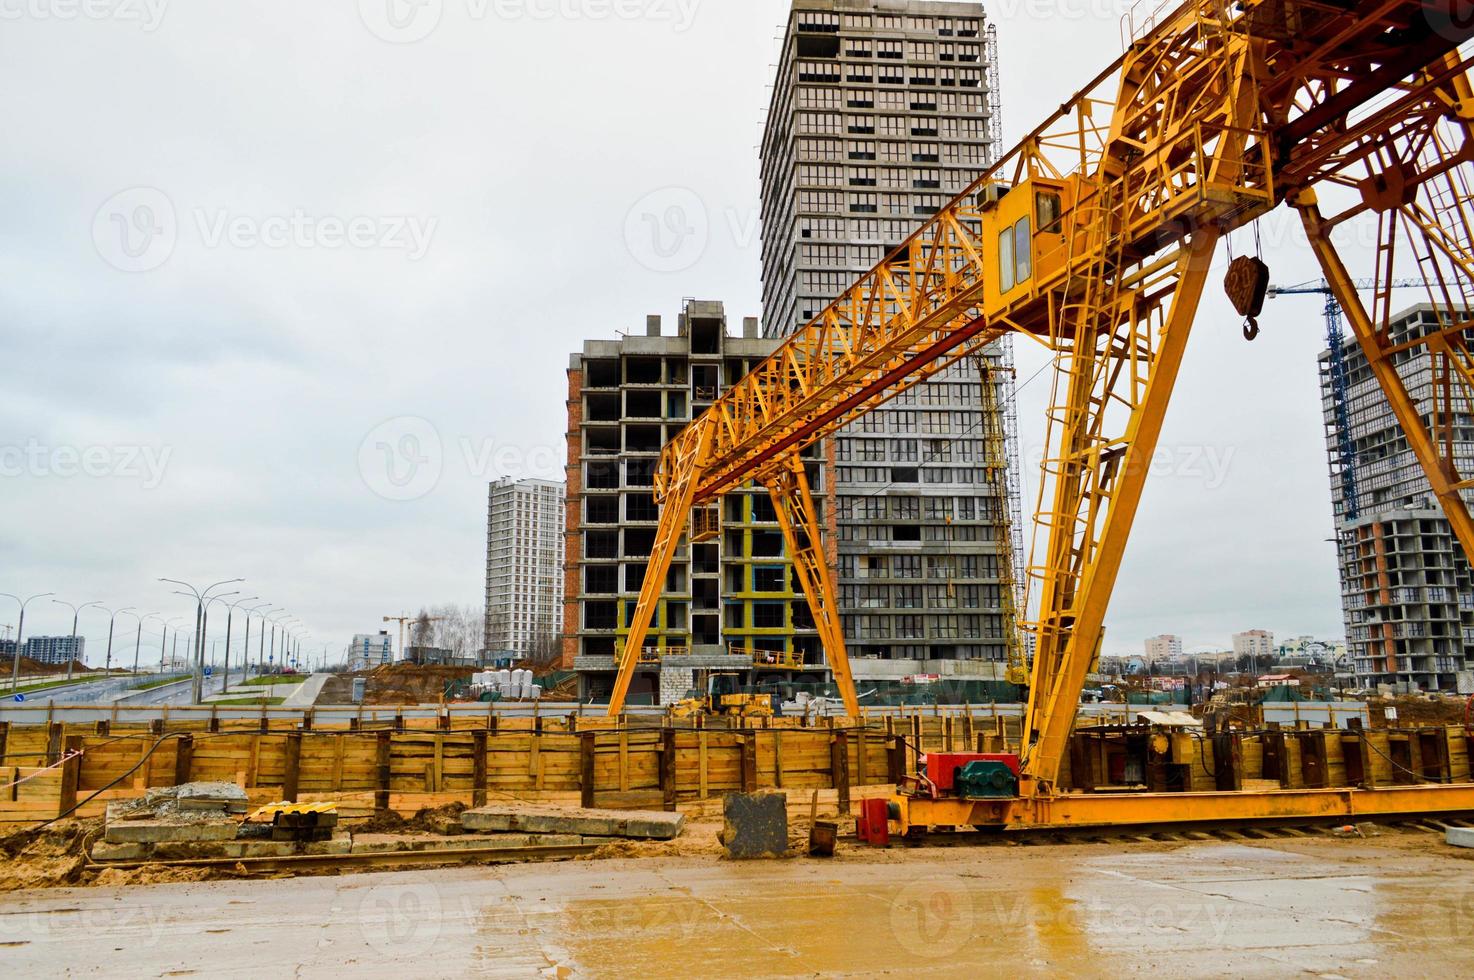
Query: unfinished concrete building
[
  {"x": 524, "y": 556},
  {"x": 729, "y": 603},
  {"x": 882, "y": 112},
  {"x": 1406, "y": 589}
]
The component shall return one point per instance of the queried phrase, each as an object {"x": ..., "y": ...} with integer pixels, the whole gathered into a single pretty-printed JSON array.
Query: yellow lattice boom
[{"x": 1093, "y": 237}]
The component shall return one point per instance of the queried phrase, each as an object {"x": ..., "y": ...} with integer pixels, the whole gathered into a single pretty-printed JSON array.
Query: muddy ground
[
  {"x": 56, "y": 856},
  {"x": 1398, "y": 904}
]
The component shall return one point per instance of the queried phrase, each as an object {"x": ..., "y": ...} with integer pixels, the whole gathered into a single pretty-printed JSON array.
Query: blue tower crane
[{"x": 1340, "y": 379}]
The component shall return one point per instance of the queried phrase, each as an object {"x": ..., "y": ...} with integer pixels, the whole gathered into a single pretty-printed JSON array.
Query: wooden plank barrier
[{"x": 381, "y": 766}]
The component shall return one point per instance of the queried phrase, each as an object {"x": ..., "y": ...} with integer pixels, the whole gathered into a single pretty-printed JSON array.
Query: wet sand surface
[{"x": 1313, "y": 907}]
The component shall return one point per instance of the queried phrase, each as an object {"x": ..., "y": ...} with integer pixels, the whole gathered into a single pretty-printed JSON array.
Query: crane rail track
[{"x": 1229, "y": 831}]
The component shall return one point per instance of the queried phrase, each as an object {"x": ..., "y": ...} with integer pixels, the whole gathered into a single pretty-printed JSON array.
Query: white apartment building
[
  {"x": 1162, "y": 648},
  {"x": 1256, "y": 644},
  {"x": 524, "y": 552},
  {"x": 372, "y": 648}
]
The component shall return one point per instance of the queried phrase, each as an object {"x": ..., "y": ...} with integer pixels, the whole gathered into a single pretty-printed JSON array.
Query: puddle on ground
[{"x": 1181, "y": 911}]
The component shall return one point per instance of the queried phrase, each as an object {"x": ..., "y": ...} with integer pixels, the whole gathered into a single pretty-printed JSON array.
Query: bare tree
[
  {"x": 422, "y": 630},
  {"x": 546, "y": 652}
]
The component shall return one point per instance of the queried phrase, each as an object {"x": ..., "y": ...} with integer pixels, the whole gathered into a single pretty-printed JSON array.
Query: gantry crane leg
[
  {"x": 675, "y": 513},
  {"x": 1450, "y": 376},
  {"x": 1104, "y": 491},
  {"x": 788, "y": 485}
]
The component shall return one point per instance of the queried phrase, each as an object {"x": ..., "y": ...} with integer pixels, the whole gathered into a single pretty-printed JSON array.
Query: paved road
[
  {"x": 181, "y": 693},
  {"x": 104, "y": 691},
  {"x": 1317, "y": 908}
]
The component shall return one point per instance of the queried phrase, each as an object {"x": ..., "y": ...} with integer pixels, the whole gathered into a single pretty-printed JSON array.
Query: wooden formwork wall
[
  {"x": 1276, "y": 759},
  {"x": 46, "y": 770}
]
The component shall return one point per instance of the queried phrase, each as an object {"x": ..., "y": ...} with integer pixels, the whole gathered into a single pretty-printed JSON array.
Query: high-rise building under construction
[
  {"x": 1407, "y": 591},
  {"x": 882, "y": 112}
]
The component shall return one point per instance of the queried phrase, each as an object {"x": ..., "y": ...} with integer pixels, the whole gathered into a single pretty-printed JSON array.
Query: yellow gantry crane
[{"x": 1094, "y": 237}]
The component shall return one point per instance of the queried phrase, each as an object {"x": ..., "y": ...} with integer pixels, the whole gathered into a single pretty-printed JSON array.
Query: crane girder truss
[{"x": 1215, "y": 116}]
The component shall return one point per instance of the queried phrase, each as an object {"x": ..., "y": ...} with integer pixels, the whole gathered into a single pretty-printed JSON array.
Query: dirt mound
[
  {"x": 50, "y": 857},
  {"x": 1413, "y": 710},
  {"x": 411, "y": 684},
  {"x": 29, "y": 667},
  {"x": 437, "y": 820}
]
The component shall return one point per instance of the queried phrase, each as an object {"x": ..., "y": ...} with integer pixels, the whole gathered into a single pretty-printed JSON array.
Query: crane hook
[{"x": 1246, "y": 284}]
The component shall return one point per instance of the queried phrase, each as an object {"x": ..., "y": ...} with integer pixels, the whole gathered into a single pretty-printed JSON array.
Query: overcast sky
[{"x": 285, "y": 284}]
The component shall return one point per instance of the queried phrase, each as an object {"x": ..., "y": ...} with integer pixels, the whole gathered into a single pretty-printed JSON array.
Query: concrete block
[
  {"x": 342, "y": 843},
  {"x": 260, "y": 848},
  {"x": 157, "y": 831},
  {"x": 193, "y": 850},
  {"x": 1461, "y": 836},
  {"x": 533, "y": 819},
  {"x": 103, "y": 851},
  {"x": 756, "y": 825},
  {"x": 396, "y": 843}
]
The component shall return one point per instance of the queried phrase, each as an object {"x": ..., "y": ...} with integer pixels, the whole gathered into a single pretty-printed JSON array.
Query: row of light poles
[
  {"x": 291, "y": 633},
  {"x": 76, "y": 609},
  {"x": 233, "y": 600}
]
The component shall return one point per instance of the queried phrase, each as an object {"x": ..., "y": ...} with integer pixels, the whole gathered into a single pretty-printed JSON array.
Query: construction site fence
[
  {"x": 1334, "y": 714},
  {"x": 487, "y": 713},
  {"x": 406, "y": 764}
]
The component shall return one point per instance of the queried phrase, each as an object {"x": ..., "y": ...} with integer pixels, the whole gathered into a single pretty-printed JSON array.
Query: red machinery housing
[{"x": 941, "y": 768}]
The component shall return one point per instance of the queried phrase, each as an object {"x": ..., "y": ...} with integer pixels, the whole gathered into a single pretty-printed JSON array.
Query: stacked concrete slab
[{"x": 533, "y": 819}]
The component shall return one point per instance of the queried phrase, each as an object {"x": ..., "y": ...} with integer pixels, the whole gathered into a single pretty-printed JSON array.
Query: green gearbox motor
[{"x": 980, "y": 780}]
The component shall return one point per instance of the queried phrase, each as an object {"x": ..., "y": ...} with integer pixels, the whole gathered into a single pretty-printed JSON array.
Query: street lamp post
[
  {"x": 197, "y": 689},
  {"x": 173, "y": 650},
  {"x": 278, "y": 620},
  {"x": 289, "y": 639},
  {"x": 20, "y": 634},
  {"x": 138, "y": 640},
  {"x": 107, "y": 664},
  {"x": 246, "y": 646},
  {"x": 208, "y": 663},
  {"x": 76, "y": 612},
  {"x": 261, "y": 644},
  {"x": 229, "y": 616}
]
